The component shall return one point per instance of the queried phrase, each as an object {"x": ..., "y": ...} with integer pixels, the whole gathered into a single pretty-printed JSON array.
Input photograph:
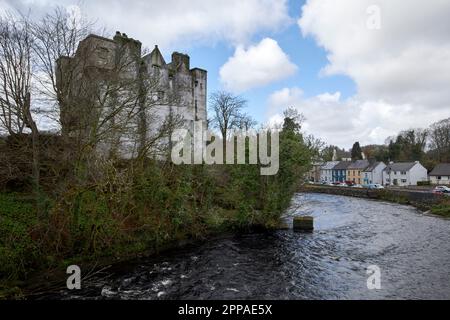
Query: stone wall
[{"x": 421, "y": 200}]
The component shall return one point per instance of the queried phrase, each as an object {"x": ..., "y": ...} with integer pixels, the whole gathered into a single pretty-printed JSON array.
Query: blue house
[{"x": 339, "y": 171}]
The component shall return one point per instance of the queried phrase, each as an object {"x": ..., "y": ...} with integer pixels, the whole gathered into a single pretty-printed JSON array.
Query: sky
[{"x": 359, "y": 70}]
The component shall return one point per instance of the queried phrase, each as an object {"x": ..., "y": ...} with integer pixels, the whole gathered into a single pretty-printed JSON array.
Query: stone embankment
[{"x": 419, "y": 199}]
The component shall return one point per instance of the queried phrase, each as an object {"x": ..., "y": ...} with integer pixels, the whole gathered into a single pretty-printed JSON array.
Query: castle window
[
  {"x": 196, "y": 83},
  {"x": 102, "y": 54},
  {"x": 156, "y": 70},
  {"x": 196, "y": 110}
]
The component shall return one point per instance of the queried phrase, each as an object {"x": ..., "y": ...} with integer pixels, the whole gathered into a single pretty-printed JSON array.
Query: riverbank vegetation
[
  {"x": 120, "y": 209},
  {"x": 442, "y": 209}
]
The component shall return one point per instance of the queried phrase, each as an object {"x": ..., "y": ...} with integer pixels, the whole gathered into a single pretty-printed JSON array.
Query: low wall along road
[{"x": 420, "y": 199}]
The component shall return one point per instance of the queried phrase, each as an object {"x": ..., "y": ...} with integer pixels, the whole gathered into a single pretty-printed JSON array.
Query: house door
[{"x": 395, "y": 182}]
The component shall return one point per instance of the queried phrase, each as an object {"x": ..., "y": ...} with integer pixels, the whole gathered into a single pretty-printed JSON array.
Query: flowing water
[{"x": 411, "y": 249}]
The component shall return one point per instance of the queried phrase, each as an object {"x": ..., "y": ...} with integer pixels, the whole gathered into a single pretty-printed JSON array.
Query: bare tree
[
  {"x": 226, "y": 112},
  {"x": 439, "y": 135},
  {"x": 16, "y": 43},
  {"x": 56, "y": 36},
  {"x": 315, "y": 145},
  {"x": 246, "y": 122}
]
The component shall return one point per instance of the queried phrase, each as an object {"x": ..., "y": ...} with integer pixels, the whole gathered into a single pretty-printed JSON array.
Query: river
[{"x": 411, "y": 249}]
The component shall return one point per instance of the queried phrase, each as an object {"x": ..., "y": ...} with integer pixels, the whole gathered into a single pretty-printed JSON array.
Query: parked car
[
  {"x": 342, "y": 184},
  {"x": 357, "y": 186},
  {"x": 442, "y": 190},
  {"x": 375, "y": 186}
]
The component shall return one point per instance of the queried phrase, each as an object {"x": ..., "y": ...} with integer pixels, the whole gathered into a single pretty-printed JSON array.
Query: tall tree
[
  {"x": 226, "y": 112},
  {"x": 356, "y": 152},
  {"x": 16, "y": 57},
  {"x": 439, "y": 135},
  {"x": 56, "y": 36},
  {"x": 409, "y": 145}
]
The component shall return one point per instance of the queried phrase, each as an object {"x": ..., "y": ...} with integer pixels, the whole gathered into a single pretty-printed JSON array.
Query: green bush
[{"x": 17, "y": 245}]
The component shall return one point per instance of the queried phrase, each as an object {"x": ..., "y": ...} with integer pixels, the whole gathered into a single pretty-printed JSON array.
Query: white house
[
  {"x": 404, "y": 174},
  {"x": 326, "y": 171},
  {"x": 373, "y": 174},
  {"x": 440, "y": 174}
]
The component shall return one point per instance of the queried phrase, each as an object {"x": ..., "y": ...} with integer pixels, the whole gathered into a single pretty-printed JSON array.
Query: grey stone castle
[{"x": 160, "y": 90}]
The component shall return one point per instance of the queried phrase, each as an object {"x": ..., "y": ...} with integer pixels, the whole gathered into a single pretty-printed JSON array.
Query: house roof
[
  {"x": 329, "y": 165},
  {"x": 400, "y": 166},
  {"x": 342, "y": 165},
  {"x": 359, "y": 164},
  {"x": 373, "y": 166},
  {"x": 442, "y": 169}
]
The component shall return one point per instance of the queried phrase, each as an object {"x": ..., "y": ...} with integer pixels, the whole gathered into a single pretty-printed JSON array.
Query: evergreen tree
[{"x": 356, "y": 152}]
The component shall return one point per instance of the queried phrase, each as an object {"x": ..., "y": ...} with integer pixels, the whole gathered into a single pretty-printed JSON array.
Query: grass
[{"x": 442, "y": 209}]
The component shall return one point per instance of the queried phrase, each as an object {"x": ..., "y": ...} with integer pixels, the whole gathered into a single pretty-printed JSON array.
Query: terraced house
[
  {"x": 373, "y": 174},
  {"x": 339, "y": 171},
  {"x": 355, "y": 170},
  {"x": 326, "y": 171}
]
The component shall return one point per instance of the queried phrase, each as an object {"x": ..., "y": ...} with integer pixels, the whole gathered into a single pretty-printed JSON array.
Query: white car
[
  {"x": 442, "y": 190},
  {"x": 357, "y": 186},
  {"x": 375, "y": 186}
]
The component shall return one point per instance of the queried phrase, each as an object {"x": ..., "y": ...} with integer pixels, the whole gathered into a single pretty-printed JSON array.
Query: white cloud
[
  {"x": 342, "y": 122},
  {"x": 179, "y": 22},
  {"x": 406, "y": 61},
  {"x": 402, "y": 71},
  {"x": 256, "y": 66}
]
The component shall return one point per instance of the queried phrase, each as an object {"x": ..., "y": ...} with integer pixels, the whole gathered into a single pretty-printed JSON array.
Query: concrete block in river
[{"x": 303, "y": 223}]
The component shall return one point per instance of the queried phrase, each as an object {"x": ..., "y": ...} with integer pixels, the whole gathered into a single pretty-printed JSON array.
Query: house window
[
  {"x": 404, "y": 180},
  {"x": 404, "y": 173},
  {"x": 196, "y": 83},
  {"x": 439, "y": 178}
]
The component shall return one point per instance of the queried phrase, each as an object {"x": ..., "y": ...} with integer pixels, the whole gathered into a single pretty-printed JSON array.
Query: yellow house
[{"x": 355, "y": 171}]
